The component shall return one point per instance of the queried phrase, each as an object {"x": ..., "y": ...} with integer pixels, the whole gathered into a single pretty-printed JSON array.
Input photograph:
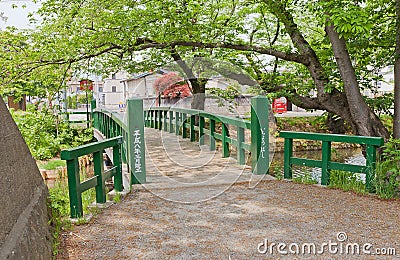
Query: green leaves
[
  {"x": 45, "y": 135},
  {"x": 350, "y": 20}
]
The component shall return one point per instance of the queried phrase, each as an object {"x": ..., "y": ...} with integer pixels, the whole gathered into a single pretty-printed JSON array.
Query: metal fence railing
[{"x": 372, "y": 143}]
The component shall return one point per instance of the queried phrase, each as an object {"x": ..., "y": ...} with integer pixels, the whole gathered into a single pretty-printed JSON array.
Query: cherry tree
[{"x": 171, "y": 85}]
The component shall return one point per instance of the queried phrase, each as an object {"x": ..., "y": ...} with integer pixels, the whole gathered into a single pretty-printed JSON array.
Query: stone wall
[{"x": 24, "y": 230}]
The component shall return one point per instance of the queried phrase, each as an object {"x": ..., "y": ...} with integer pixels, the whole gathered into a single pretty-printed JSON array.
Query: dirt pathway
[
  {"x": 180, "y": 214},
  {"x": 234, "y": 224}
]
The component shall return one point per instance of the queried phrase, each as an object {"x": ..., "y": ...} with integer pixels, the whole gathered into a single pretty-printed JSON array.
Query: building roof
[{"x": 145, "y": 74}]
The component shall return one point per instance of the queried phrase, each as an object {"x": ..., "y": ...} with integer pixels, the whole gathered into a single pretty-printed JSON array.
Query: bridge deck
[
  {"x": 173, "y": 162},
  {"x": 197, "y": 211}
]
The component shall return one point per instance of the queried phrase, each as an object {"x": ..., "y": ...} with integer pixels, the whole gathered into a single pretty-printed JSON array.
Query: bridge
[{"x": 200, "y": 189}]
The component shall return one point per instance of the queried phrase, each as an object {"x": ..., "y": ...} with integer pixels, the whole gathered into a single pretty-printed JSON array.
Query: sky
[{"x": 17, "y": 17}]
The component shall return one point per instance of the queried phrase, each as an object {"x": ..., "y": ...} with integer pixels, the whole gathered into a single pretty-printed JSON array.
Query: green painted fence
[
  {"x": 113, "y": 123},
  {"x": 198, "y": 125},
  {"x": 76, "y": 187},
  {"x": 372, "y": 143}
]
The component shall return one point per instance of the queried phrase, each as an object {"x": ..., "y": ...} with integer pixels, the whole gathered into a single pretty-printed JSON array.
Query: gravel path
[
  {"x": 232, "y": 225},
  {"x": 189, "y": 209}
]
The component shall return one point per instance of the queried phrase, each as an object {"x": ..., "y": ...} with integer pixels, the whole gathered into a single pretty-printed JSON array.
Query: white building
[
  {"x": 141, "y": 85},
  {"x": 112, "y": 94}
]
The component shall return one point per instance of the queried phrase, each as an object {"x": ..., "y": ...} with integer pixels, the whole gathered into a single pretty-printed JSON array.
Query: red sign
[
  {"x": 86, "y": 85},
  {"x": 279, "y": 105}
]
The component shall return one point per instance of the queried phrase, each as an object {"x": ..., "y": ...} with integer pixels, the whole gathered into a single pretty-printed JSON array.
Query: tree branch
[{"x": 239, "y": 47}]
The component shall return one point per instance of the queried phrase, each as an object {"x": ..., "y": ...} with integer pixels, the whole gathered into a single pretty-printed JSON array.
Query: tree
[
  {"x": 21, "y": 75},
  {"x": 304, "y": 43},
  {"x": 171, "y": 85}
]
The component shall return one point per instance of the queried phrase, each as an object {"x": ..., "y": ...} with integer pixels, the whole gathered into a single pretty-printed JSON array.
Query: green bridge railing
[
  {"x": 372, "y": 143},
  {"x": 193, "y": 124},
  {"x": 112, "y": 123},
  {"x": 199, "y": 125},
  {"x": 76, "y": 187}
]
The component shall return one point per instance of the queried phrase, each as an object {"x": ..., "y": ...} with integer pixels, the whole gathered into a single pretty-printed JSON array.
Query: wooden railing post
[
  {"x": 75, "y": 197},
  {"x": 326, "y": 158},
  {"x": 156, "y": 119},
  {"x": 225, "y": 144},
  {"x": 98, "y": 171},
  {"x": 165, "y": 112},
  {"x": 259, "y": 135},
  {"x": 192, "y": 131},
  {"x": 171, "y": 120},
  {"x": 212, "y": 132},
  {"x": 201, "y": 130},
  {"x": 136, "y": 145},
  {"x": 177, "y": 117},
  {"x": 118, "y": 186},
  {"x": 160, "y": 122},
  {"x": 288, "y": 153},
  {"x": 184, "y": 116},
  {"x": 240, "y": 151}
]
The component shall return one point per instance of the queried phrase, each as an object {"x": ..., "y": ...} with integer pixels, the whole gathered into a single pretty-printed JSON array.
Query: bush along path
[{"x": 46, "y": 133}]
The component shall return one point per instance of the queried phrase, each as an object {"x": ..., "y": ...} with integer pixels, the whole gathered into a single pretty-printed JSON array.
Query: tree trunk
[
  {"x": 350, "y": 105},
  {"x": 396, "y": 118},
  {"x": 198, "y": 91},
  {"x": 365, "y": 120},
  {"x": 335, "y": 124},
  {"x": 334, "y": 102}
]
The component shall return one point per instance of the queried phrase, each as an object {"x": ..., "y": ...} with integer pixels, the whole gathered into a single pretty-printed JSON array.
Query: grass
[
  {"x": 52, "y": 164},
  {"x": 347, "y": 181},
  {"x": 387, "y": 181},
  {"x": 60, "y": 208},
  {"x": 117, "y": 198},
  {"x": 305, "y": 178}
]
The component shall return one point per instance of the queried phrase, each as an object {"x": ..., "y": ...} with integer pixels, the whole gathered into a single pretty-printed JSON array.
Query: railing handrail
[
  {"x": 76, "y": 152},
  {"x": 115, "y": 115},
  {"x": 368, "y": 140},
  {"x": 226, "y": 119},
  {"x": 194, "y": 112}
]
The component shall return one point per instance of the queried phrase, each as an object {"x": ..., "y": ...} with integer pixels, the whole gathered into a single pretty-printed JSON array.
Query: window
[
  {"x": 100, "y": 89},
  {"x": 114, "y": 76},
  {"x": 114, "y": 89},
  {"x": 77, "y": 89}
]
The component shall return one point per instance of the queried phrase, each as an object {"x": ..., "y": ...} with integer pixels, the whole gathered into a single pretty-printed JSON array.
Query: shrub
[
  {"x": 39, "y": 131},
  {"x": 46, "y": 134},
  {"x": 387, "y": 180}
]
